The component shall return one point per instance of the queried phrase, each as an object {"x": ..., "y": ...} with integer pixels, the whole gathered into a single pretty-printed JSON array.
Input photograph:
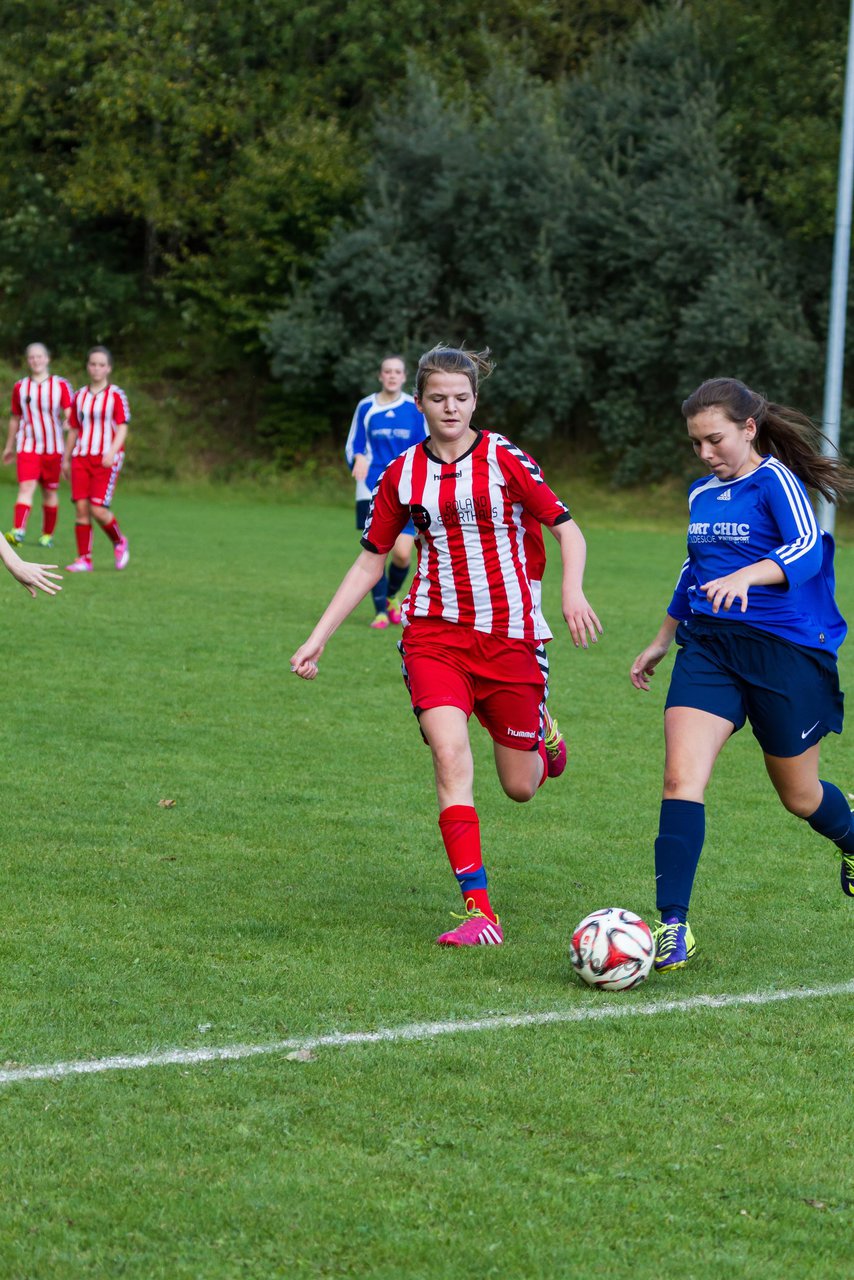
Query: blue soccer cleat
[
  {"x": 674, "y": 944},
  {"x": 846, "y": 874}
]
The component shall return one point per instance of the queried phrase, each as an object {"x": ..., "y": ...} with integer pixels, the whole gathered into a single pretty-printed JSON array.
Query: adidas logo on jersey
[
  {"x": 725, "y": 496},
  {"x": 389, "y": 413}
]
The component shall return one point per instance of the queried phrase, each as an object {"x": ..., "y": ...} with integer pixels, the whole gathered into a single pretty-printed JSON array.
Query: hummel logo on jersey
[
  {"x": 725, "y": 496},
  {"x": 520, "y": 733}
]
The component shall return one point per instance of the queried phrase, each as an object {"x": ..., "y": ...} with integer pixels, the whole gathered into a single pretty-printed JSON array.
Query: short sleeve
[
  {"x": 121, "y": 408},
  {"x": 526, "y": 485},
  {"x": 388, "y": 516}
]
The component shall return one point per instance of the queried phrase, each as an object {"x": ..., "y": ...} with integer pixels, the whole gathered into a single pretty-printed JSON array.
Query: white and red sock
[
  {"x": 113, "y": 531},
  {"x": 460, "y": 828}
]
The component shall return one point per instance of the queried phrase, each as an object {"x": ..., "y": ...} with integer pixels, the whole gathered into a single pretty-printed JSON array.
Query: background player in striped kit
[
  {"x": 41, "y": 404},
  {"x": 474, "y": 632},
  {"x": 384, "y": 424},
  {"x": 94, "y": 454},
  {"x": 752, "y": 539}
]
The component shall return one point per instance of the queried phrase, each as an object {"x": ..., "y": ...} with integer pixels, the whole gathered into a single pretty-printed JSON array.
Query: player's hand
[
  {"x": 8, "y": 456},
  {"x": 36, "y": 577},
  {"x": 643, "y": 667},
  {"x": 304, "y": 661},
  {"x": 581, "y": 620},
  {"x": 723, "y": 592},
  {"x": 107, "y": 459},
  {"x": 65, "y": 469},
  {"x": 360, "y": 467}
]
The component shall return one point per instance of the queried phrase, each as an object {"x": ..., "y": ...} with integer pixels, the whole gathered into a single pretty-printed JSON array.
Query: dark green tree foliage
[
  {"x": 688, "y": 282},
  {"x": 781, "y": 71},
  {"x": 196, "y": 153},
  {"x": 590, "y": 233}
]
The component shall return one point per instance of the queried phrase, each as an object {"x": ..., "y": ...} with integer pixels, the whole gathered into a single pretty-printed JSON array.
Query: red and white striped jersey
[
  {"x": 480, "y": 544},
  {"x": 96, "y": 416},
  {"x": 39, "y": 406}
]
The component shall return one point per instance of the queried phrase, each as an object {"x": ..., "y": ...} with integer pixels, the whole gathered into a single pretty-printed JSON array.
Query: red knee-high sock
[
  {"x": 83, "y": 534},
  {"x": 22, "y": 511},
  {"x": 49, "y": 518},
  {"x": 460, "y": 830},
  {"x": 113, "y": 531}
]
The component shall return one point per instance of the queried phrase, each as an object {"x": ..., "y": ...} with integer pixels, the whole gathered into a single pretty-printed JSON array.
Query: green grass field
[{"x": 294, "y": 889}]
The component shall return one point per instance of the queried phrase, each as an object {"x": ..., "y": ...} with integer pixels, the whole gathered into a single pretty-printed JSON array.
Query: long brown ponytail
[{"x": 783, "y": 432}]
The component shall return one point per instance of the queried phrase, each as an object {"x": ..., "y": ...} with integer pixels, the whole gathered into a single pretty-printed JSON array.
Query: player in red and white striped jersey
[
  {"x": 474, "y": 631},
  {"x": 94, "y": 454},
  {"x": 41, "y": 404}
]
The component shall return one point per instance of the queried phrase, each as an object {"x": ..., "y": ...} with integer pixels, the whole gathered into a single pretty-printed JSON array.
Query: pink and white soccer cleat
[
  {"x": 395, "y": 613},
  {"x": 476, "y": 930},
  {"x": 121, "y": 553},
  {"x": 83, "y": 564},
  {"x": 380, "y": 622},
  {"x": 555, "y": 746}
]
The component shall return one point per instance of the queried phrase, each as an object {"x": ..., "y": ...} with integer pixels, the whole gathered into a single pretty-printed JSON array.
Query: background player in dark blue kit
[
  {"x": 753, "y": 541},
  {"x": 384, "y": 425}
]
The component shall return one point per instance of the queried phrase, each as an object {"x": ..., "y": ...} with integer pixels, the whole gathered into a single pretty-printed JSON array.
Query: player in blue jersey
[
  {"x": 758, "y": 630},
  {"x": 385, "y": 424}
]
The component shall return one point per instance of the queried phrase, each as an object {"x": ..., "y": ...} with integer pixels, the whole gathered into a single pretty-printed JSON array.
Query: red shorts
[
  {"x": 91, "y": 479},
  {"x": 504, "y": 682},
  {"x": 44, "y": 467}
]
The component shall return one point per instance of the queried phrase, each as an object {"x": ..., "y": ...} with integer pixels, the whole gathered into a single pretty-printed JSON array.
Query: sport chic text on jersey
[
  {"x": 765, "y": 515},
  {"x": 380, "y": 432}
]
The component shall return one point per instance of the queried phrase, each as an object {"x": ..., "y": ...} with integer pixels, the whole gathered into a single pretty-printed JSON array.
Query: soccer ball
[{"x": 612, "y": 949}]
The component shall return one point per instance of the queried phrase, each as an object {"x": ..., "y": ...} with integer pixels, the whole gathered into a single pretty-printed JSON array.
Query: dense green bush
[{"x": 590, "y": 232}]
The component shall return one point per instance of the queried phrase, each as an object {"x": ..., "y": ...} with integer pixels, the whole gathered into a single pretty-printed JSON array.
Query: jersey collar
[{"x": 477, "y": 439}]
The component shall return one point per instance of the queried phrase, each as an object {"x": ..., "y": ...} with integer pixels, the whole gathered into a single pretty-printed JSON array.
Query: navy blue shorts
[
  {"x": 363, "y": 506},
  {"x": 790, "y": 694}
]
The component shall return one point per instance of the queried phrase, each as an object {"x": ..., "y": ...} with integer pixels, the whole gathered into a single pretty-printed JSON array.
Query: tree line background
[{"x": 619, "y": 198}]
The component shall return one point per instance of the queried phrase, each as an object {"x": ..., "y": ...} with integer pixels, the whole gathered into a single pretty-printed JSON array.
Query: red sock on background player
[{"x": 83, "y": 534}]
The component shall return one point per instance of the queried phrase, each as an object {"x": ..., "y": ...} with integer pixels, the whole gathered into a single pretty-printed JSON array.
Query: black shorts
[
  {"x": 789, "y": 693},
  {"x": 363, "y": 506}
]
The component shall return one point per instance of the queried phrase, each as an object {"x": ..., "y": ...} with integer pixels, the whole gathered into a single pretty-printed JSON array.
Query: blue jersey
[
  {"x": 381, "y": 432},
  {"x": 765, "y": 515}
]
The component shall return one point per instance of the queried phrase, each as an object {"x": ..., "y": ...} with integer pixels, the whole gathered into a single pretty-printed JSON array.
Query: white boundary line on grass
[{"x": 414, "y": 1031}]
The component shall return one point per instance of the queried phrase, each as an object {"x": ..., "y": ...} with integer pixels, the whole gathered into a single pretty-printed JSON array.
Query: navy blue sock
[
  {"x": 681, "y": 831},
  {"x": 832, "y": 818},
  {"x": 397, "y": 575},
  {"x": 380, "y": 595}
]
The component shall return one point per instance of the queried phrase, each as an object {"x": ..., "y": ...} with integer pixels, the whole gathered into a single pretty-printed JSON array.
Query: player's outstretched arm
[
  {"x": 33, "y": 577},
  {"x": 362, "y": 576},
  {"x": 643, "y": 667},
  {"x": 580, "y": 618}
]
